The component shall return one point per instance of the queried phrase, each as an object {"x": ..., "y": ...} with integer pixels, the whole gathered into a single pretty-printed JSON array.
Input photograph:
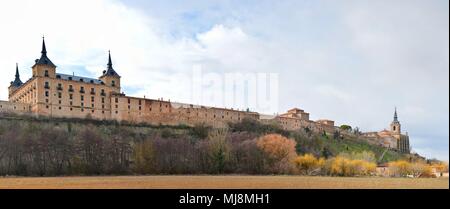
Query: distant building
[{"x": 392, "y": 138}]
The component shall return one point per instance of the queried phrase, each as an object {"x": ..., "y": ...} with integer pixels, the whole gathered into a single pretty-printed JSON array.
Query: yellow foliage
[
  {"x": 279, "y": 150},
  {"x": 341, "y": 166},
  {"x": 277, "y": 147},
  {"x": 400, "y": 168},
  {"x": 308, "y": 164},
  {"x": 403, "y": 168},
  {"x": 440, "y": 167}
]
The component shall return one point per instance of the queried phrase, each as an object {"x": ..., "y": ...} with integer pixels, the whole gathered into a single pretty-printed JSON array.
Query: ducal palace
[{"x": 51, "y": 94}]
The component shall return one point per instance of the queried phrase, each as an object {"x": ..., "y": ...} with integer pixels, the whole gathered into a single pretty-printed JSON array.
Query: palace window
[
  {"x": 59, "y": 95},
  {"x": 46, "y": 73},
  {"x": 59, "y": 86},
  {"x": 92, "y": 91},
  {"x": 47, "y": 86},
  {"x": 92, "y": 99},
  {"x": 139, "y": 102},
  {"x": 103, "y": 99},
  {"x": 82, "y": 89},
  {"x": 82, "y": 98},
  {"x": 113, "y": 83},
  {"x": 129, "y": 101},
  {"x": 117, "y": 100},
  {"x": 46, "y": 93},
  {"x": 70, "y": 88},
  {"x": 70, "y": 96},
  {"x": 103, "y": 92}
]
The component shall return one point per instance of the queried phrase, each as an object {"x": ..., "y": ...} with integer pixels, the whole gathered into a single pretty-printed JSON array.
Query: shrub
[
  {"x": 403, "y": 168},
  {"x": 143, "y": 157},
  {"x": 341, "y": 166},
  {"x": 218, "y": 149},
  {"x": 308, "y": 164},
  {"x": 400, "y": 168},
  {"x": 200, "y": 131},
  {"x": 279, "y": 151}
]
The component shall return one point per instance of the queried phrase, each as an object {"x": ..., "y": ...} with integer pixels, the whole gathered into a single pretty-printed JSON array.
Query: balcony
[
  {"x": 103, "y": 94},
  {"x": 71, "y": 90},
  {"x": 82, "y": 91},
  {"x": 59, "y": 88},
  {"x": 47, "y": 87},
  {"x": 93, "y": 92}
]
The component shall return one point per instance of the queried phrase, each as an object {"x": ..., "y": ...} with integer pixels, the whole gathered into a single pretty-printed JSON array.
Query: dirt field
[{"x": 227, "y": 182}]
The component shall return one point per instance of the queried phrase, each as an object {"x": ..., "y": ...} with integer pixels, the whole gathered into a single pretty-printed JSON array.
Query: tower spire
[
  {"x": 17, "y": 82},
  {"x": 44, "y": 60},
  {"x": 44, "y": 50},
  {"x": 109, "y": 60},
  {"x": 110, "y": 70},
  {"x": 395, "y": 115},
  {"x": 17, "y": 71}
]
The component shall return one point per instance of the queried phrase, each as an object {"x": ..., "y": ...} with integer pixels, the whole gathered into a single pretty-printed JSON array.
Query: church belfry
[{"x": 395, "y": 125}]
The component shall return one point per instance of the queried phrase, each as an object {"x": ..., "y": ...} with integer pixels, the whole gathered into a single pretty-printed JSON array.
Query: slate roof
[
  {"x": 78, "y": 78},
  {"x": 17, "y": 82},
  {"x": 44, "y": 60},
  {"x": 110, "y": 70}
]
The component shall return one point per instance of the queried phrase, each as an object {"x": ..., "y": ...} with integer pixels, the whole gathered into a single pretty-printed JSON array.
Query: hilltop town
[{"x": 55, "y": 95}]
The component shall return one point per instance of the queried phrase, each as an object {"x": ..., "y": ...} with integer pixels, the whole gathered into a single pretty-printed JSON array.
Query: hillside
[{"x": 49, "y": 147}]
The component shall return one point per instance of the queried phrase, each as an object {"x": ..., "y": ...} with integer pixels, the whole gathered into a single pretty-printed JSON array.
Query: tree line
[{"x": 33, "y": 148}]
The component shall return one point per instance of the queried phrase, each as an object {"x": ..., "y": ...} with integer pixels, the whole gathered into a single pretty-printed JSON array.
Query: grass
[
  {"x": 223, "y": 182},
  {"x": 357, "y": 145}
]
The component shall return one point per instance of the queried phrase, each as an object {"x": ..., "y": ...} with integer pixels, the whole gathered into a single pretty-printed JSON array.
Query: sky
[{"x": 351, "y": 61}]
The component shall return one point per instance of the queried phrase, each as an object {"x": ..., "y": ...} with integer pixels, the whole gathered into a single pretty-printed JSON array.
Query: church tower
[
  {"x": 110, "y": 76},
  {"x": 395, "y": 125},
  {"x": 43, "y": 66},
  {"x": 16, "y": 83}
]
